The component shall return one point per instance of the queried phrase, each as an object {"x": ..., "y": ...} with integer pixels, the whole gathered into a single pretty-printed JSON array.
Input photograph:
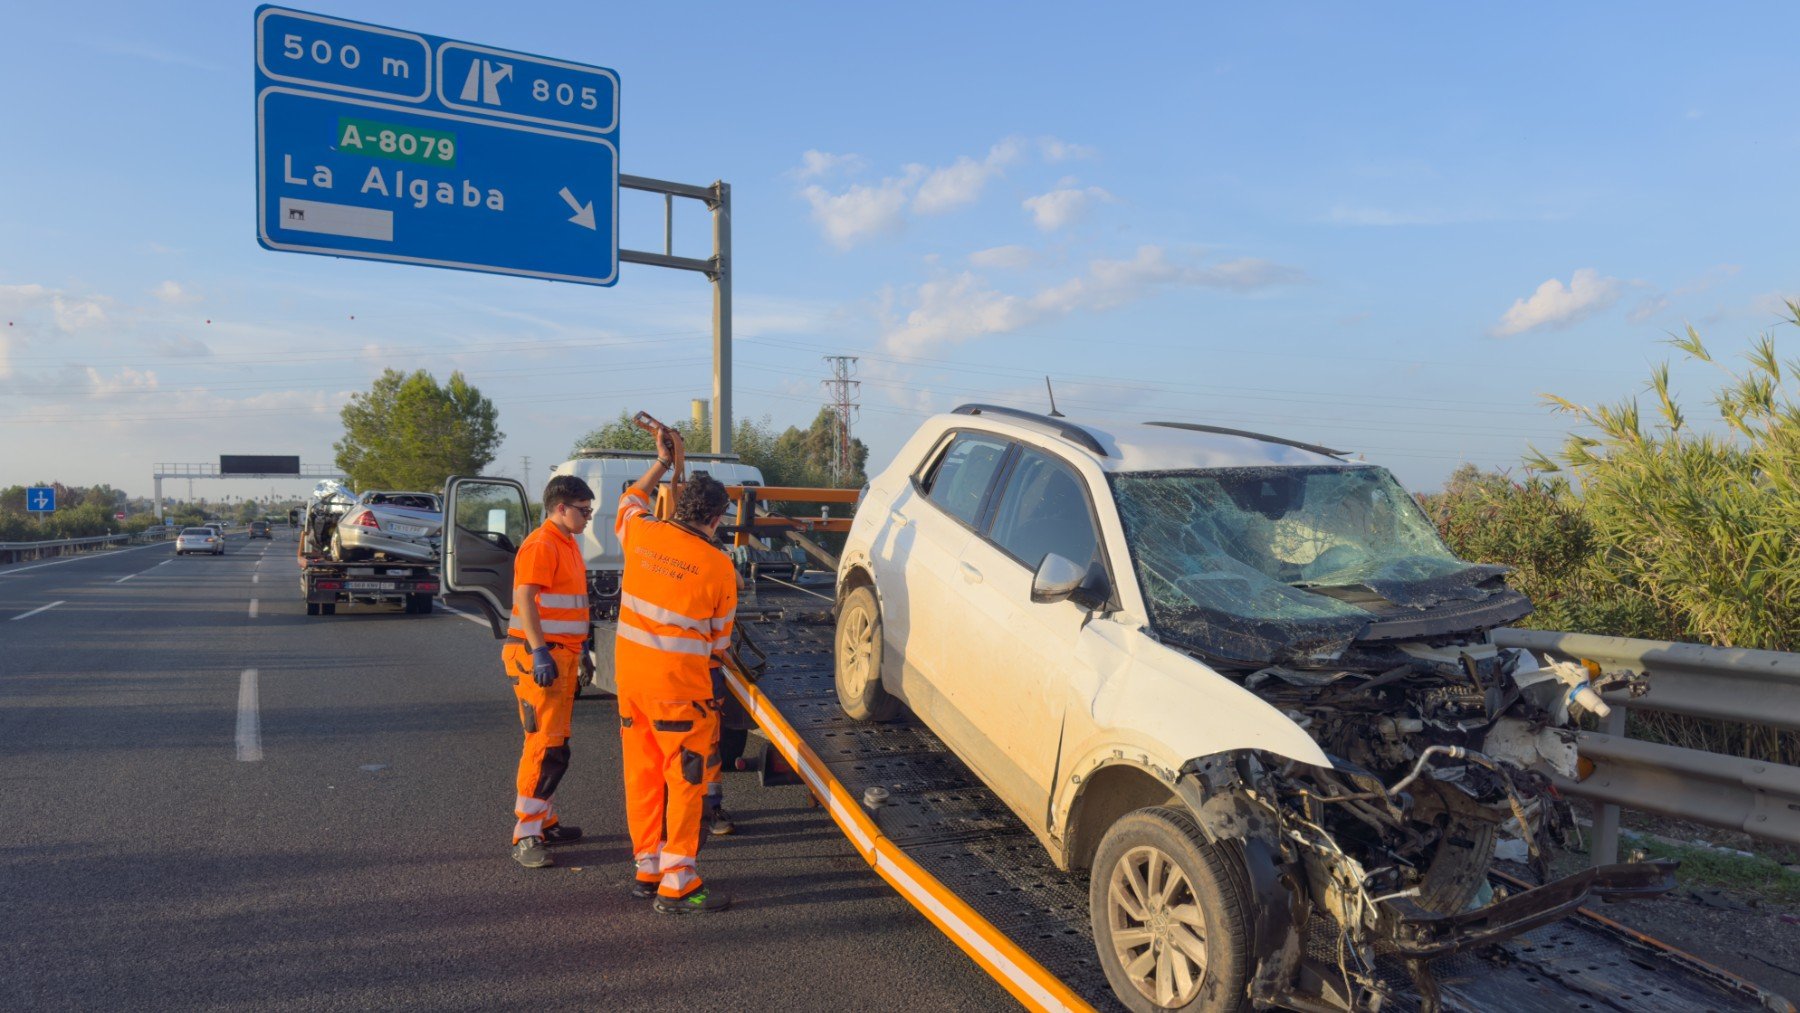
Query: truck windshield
[{"x": 1242, "y": 562}]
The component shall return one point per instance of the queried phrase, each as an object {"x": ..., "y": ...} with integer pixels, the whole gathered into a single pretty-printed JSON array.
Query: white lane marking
[
  {"x": 125, "y": 578},
  {"x": 256, "y": 578},
  {"x": 76, "y": 559},
  {"x": 477, "y": 620},
  {"x": 249, "y": 726},
  {"x": 253, "y": 608},
  {"x": 35, "y": 611}
]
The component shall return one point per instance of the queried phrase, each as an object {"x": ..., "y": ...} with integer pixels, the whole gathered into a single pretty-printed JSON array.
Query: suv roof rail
[
  {"x": 1067, "y": 430},
  {"x": 1296, "y": 444}
]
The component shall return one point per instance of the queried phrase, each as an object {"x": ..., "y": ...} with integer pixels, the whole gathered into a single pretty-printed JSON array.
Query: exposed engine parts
[{"x": 1441, "y": 760}]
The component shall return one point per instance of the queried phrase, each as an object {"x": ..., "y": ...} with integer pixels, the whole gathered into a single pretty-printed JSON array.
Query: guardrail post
[{"x": 1605, "y": 847}]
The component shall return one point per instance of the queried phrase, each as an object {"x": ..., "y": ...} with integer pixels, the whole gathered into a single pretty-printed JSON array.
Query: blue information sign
[
  {"x": 390, "y": 145},
  {"x": 40, "y": 499}
]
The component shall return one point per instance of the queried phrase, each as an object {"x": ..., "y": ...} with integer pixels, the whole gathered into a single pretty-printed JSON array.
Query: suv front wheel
[
  {"x": 1171, "y": 914},
  {"x": 859, "y": 689}
]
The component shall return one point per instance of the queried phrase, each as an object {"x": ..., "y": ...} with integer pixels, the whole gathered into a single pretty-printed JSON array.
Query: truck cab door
[{"x": 485, "y": 522}]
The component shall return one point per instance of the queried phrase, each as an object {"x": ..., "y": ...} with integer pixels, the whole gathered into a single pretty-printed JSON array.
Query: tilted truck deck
[{"x": 955, "y": 851}]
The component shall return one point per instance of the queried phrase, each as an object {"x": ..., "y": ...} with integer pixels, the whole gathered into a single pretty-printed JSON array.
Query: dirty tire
[
  {"x": 858, "y": 653},
  {"x": 328, "y": 610},
  {"x": 1207, "y": 914},
  {"x": 312, "y": 608},
  {"x": 419, "y": 604}
]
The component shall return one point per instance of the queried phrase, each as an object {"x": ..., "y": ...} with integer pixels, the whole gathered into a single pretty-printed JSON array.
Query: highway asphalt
[{"x": 210, "y": 800}]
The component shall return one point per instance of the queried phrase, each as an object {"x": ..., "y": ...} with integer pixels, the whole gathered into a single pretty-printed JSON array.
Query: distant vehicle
[
  {"x": 399, "y": 525},
  {"x": 260, "y": 529},
  {"x": 199, "y": 540}
]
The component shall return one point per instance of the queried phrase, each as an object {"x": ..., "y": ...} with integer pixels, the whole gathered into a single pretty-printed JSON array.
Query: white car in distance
[
  {"x": 1239, "y": 679},
  {"x": 207, "y": 540}
]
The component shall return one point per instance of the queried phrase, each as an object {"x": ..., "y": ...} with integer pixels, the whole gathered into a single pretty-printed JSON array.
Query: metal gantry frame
[
  {"x": 717, "y": 199},
  {"x": 309, "y": 472}
]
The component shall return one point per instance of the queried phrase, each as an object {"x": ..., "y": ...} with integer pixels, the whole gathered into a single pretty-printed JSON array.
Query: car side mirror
[{"x": 1059, "y": 578}]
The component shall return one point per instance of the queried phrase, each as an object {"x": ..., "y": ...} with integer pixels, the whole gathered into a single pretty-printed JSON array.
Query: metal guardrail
[
  {"x": 13, "y": 552},
  {"x": 1760, "y": 687}
]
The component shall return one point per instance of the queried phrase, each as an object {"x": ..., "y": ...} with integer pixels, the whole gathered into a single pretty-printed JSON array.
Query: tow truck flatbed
[{"x": 959, "y": 855}]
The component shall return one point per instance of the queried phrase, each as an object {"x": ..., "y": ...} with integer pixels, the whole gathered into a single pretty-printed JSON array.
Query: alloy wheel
[{"x": 1158, "y": 930}]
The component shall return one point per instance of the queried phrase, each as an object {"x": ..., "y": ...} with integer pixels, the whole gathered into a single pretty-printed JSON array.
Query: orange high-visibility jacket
[
  {"x": 551, "y": 559},
  {"x": 676, "y": 602}
]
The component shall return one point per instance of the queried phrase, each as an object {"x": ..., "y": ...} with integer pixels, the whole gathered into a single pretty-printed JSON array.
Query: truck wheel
[
  {"x": 859, "y": 689},
  {"x": 1171, "y": 915},
  {"x": 312, "y": 608},
  {"x": 329, "y": 609},
  {"x": 418, "y": 604}
]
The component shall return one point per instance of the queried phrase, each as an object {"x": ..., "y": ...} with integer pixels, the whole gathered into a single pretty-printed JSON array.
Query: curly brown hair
[{"x": 702, "y": 500}]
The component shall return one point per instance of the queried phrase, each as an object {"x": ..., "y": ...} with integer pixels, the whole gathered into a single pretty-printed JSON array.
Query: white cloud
[
  {"x": 182, "y": 347},
  {"x": 965, "y": 307},
  {"x": 172, "y": 293},
  {"x": 1061, "y": 208},
  {"x": 858, "y": 211},
  {"x": 815, "y": 163},
  {"x": 1010, "y": 258},
  {"x": 862, "y": 211},
  {"x": 1055, "y": 149},
  {"x": 962, "y": 181},
  {"x": 125, "y": 381},
  {"x": 1557, "y": 305}
]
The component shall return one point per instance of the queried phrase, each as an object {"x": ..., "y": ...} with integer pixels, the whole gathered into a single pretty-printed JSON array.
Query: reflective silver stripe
[
  {"x": 630, "y": 505},
  {"x": 563, "y": 626},
  {"x": 563, "y": 601},
  {"x": 721, "y": 622},
  {"x": 658, "y": 614},
  {"x": 678, "y": 645},
  {"x": 722, "y": 643}
]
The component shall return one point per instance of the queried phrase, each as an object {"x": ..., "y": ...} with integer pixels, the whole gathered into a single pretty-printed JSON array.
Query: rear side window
[
  {"x": 1042, "y": 509},
  {"x": 963, "y": 474}
]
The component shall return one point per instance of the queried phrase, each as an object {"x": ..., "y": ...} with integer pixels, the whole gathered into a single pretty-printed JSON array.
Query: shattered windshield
[{"x": 1251, "y": 563}]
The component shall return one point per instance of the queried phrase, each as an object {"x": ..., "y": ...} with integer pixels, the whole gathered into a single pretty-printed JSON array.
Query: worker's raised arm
[{"x": 638, "y": 499}]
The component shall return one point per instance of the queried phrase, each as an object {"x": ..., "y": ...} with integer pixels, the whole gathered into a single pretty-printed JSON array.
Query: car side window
[
  {"x": 963, "y": 474},
  {"x": 1042, "y": 509}
]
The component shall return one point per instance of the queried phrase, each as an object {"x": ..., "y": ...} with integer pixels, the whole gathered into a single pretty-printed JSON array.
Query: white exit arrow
[{"x": 584, "y": 213}]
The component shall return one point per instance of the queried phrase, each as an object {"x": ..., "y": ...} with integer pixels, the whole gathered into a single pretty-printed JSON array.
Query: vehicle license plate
[
  {"x": 369, "y": 585},
  {"x": 408, "y": 529}
]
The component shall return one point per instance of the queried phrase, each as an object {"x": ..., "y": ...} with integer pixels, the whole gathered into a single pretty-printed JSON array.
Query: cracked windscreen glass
[{"x": 1256, "y": 562}]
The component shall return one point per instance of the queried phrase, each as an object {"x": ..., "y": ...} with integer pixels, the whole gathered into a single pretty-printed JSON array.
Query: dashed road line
[
  {"x": 35, "y": 611},
  {"x": 249, "y": 719},
  {"x": 125, "y": 578},
  {"x": 253, "y": 608},
  {"x": 256, "y": 578}
]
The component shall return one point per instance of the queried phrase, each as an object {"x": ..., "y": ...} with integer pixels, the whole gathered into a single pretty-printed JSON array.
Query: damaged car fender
[{"x": 1143, "y": 706}]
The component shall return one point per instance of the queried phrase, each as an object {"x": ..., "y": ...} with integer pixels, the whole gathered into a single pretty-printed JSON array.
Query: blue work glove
[{"x": 543, "y": 666}]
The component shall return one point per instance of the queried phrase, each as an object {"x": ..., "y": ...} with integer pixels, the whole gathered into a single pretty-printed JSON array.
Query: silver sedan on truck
[{"x": 398, "y": 525}]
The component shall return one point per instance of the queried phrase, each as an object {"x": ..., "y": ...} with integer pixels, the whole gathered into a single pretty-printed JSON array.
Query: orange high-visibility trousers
[
  {"x": 544, "y": 714},
  {"x": 669, "y": 748}
]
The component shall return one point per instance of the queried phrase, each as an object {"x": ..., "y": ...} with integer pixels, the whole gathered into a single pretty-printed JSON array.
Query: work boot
[
  {"x": 700, "y": 902},
  {"x": 530, "y": 853},
  {"x": 720, "y": 824},
  {"x": 561, "y": 833},
  {"x": 642, "y": 890}
]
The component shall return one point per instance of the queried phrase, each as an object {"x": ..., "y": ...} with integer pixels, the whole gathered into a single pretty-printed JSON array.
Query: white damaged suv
[{"x": 1239, "y": 679}]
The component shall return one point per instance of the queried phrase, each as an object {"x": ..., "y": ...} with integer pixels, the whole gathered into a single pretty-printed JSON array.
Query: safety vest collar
[{"x": 549, "y": 527}]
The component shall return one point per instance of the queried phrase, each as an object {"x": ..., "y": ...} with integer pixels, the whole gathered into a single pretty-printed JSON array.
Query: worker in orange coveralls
[
  {"x": 543, "y": 648},
  {"x": 676, "y": 602}
]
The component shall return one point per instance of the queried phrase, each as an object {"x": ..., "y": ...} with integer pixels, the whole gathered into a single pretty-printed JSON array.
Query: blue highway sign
[
  {"x": 388, "y": 145},
  {"x": 40, "y": 499}
]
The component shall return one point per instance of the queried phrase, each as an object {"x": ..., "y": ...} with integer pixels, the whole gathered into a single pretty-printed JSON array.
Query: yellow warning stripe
[{"x": 998, "y": 955}]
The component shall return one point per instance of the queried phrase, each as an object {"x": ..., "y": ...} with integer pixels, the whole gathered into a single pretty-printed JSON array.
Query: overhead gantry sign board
[{"x": 388, "y": 145}]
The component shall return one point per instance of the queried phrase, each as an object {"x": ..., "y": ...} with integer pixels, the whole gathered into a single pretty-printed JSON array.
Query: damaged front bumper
[{"x": 1420, "y": 934}]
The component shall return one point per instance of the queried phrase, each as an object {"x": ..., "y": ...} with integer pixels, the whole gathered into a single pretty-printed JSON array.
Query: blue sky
[{"x": 1387, "y": 228}]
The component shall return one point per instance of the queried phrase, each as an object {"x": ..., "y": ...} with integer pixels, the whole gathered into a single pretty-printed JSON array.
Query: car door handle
[{"x": 970, "y": 575}]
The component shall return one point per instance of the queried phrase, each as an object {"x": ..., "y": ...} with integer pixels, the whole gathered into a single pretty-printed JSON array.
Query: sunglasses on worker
[{"x": 585, "y": 511}]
